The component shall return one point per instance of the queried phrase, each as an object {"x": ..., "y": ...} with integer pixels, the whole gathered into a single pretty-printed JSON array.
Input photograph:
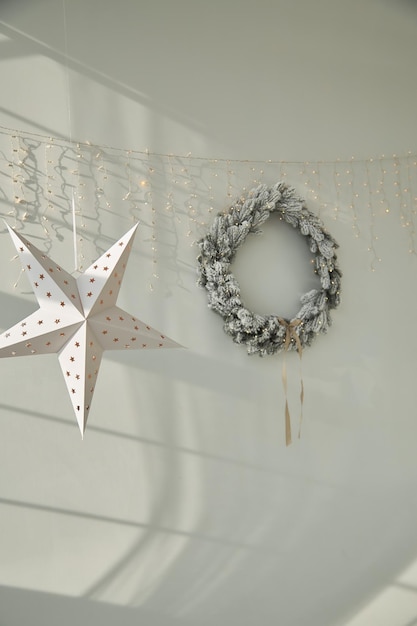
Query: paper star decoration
[{"x": 78, "y": 318}]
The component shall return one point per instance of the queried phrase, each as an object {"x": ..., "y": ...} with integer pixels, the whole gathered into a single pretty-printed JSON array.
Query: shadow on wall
[
  {"x": 163, "y": 58},
  {"x": 22, "y": 606},
  {"x": 18, "y": 44},
  {"x": 409, "y": 4}
]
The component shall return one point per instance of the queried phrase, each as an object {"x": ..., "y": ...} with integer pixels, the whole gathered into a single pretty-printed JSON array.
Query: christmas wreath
[{"x": 268, "y": 334}]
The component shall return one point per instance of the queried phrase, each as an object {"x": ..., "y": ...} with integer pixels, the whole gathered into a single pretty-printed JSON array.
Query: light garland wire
[
  {"x": 323, "y": 198},
  {"x": 337, "y": 185},
  {"x": 14, "y": 139},
  {"x": 412, "y": 204},
  {"x": 49, "y": 176},
  {"x": 14, "y": 211},
  {"x": 372, "y": 234},
  {"x": 352, "y": 206},
  {"x": 191, "y": 189}
]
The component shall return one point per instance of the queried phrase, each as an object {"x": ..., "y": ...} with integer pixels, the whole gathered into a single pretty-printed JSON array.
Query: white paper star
[{"x": 78, "y": 318}]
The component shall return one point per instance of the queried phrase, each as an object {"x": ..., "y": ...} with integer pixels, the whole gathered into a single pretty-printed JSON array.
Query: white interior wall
[{"x": 182, "y": 504}]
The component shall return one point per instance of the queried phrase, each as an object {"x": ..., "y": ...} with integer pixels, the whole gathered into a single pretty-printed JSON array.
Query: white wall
[{"x": 182, "y": 505}]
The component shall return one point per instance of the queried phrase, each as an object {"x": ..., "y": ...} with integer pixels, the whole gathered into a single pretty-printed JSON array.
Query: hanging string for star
[{"x": 68, "y": 99}]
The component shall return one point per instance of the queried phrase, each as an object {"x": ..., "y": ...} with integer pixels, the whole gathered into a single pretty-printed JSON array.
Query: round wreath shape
[{"x": 268, "y": 334}]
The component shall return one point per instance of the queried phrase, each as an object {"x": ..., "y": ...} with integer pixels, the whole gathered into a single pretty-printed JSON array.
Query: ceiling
[{"x": 182, "y": 504}]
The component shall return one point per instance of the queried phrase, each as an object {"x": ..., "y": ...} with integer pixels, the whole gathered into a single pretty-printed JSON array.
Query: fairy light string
[
  {"x": 189, "y": 190},
  {"x": 411, "y": 162}
]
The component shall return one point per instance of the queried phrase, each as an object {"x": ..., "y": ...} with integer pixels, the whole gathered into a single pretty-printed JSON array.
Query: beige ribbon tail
[
  {"x": 301, "y": 402},
  {"x": 288, "y": 439},
  {"x": 291, "y": 334}
]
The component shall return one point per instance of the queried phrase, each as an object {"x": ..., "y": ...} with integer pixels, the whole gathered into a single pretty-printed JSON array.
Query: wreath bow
[{"x": 291, "y": 333}]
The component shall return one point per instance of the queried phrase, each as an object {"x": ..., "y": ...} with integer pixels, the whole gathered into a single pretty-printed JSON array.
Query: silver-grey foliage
[{"x": 266, "y": 334}]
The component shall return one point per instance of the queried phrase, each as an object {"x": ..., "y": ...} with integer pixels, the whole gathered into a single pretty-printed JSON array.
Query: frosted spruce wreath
[{"x": 268, "y": 334}]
